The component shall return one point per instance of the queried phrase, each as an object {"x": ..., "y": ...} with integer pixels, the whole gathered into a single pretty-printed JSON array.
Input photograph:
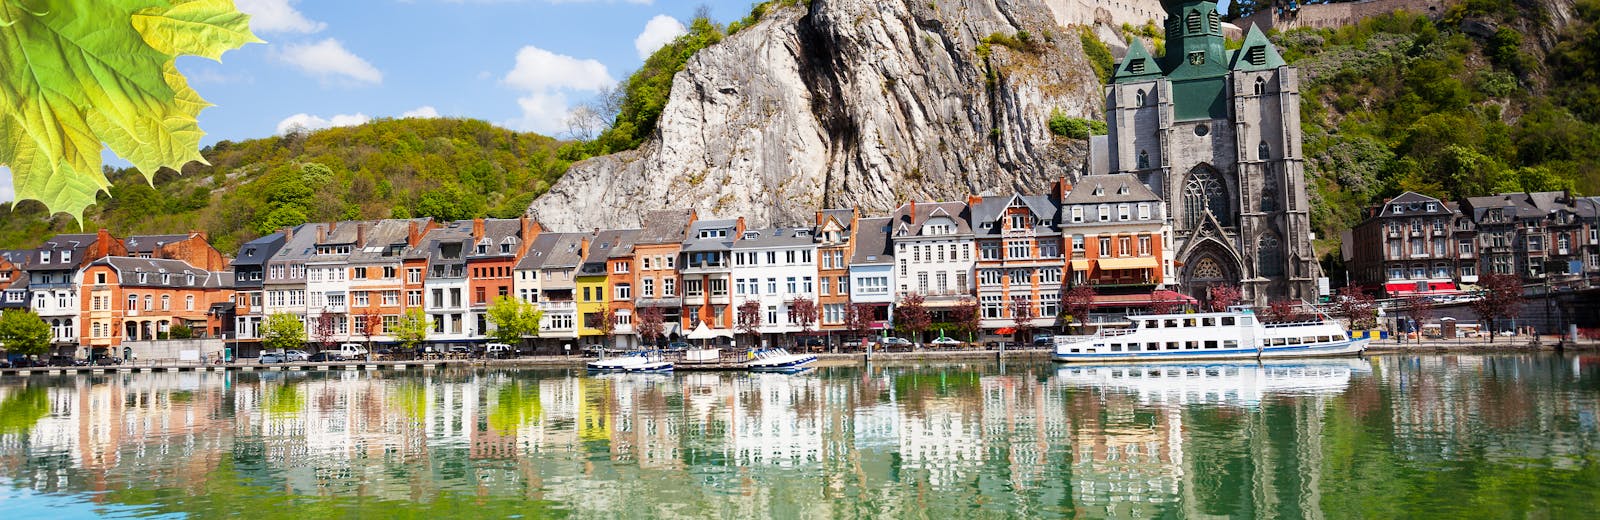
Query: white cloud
[
  {"x": 328, "y": 60},
  {"x": 277, "y": 16},
  {"x": 310, "y": 122},
  {"x": 546, "y": 78},
  {"x": 422, "y": 112},
  {"x": 659, "y": 31},
  {"x": 7, "y": 193}
]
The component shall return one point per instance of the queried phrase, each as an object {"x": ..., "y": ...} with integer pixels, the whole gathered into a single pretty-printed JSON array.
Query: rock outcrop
[{"x": 842, "y": 103}]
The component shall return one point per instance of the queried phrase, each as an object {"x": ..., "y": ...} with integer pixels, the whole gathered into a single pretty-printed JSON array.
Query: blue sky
[{"x": 517, "y": 63}]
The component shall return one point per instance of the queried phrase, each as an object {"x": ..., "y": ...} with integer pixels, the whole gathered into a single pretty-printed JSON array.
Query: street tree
[
  {"x": 1500, "y": 298},
  {"x": 324, "y": 332},
  {"x": 965, "y": 318},
  {"x": 412, "y": 329},
  {"x": 513, "y": 319},
  {"x": 912, "y": 316},
  {"x": 858, "y": 319},
  {"x": 283, "y": 331},
  {"x": 1076, "y": 304},
  {"x": 1418, "y": 309},
  {"x": 648, "y": 324},
  {"x": 1357, "y": 308},
  {"x": 1223, "y": 296},
  {"x": 22, "y": 332},
  {"x": 371, "y": 325},
  {"x": 608, "y": 326},
  {"x": 749, "y": 320},
  {"x": 803, "y": 313}
]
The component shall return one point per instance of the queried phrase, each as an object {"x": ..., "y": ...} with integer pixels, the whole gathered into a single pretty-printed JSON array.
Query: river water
[{"x": 1447, "y": 436}]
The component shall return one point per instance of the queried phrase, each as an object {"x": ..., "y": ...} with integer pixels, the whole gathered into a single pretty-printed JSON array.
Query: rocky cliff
[{"x": 849, "y": 103}]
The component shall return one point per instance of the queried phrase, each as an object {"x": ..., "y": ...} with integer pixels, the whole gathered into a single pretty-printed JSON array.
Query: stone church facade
[{"x": 1216, "y": 134}]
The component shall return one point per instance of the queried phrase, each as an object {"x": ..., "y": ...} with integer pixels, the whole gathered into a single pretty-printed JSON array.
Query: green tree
[
  {"x": 412, "y": 329},
  {"x": 514, "y": 319},
  {"x": 283, "y": 331},
  {"x": 179, "y": 331},
  {"x": 22, "y": 332}
]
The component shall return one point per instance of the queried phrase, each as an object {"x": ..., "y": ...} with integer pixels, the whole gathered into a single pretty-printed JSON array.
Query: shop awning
[
  {"x": 1080, "y": 265},
  {"x": 1005, "y": 330},
  {"x": 1127, "y": 263}
]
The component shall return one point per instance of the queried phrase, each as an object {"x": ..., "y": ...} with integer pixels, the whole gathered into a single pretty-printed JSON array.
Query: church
[{"x": 1216, "y": 134}]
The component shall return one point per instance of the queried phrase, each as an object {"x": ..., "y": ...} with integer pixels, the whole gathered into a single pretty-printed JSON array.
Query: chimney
[
  {"x": 361, "y": 234},
  {"x": 913, "y": 213},
  {"x": 477, "y": 229},
  {"x": 413, "y": 234},
  {"x": 322, "y": 232},
  {"x": 973, "y": 200},
  {"x": 102, "y": 243},
  {"x": 288, "y": 234},
  {"x": 1062, "y": 188}
]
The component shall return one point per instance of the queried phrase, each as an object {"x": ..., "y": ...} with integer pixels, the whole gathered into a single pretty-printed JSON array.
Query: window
[
  {"x": 360, "y": 298},
  {"x": 1105, "y": 246},
  {"x": 1144, "y": 211},
  {"x": 1019, "y": 221},
  {"x": 1263, "y": 151},
  {"x": 648, "y": 287},
  {"x": 1192, "y": 24},
  {"x": 1269, "y": 254},
  {"x": 1138, "y": 98},
  {"x": 166, "y": 302},
  {"x": 1105, "y": 212},
  {"x": 623, "y": 292},
  {"x": 359, "y": 274},
  {"x": 133, "y": 302},
  {"x": 1077, "y": 243},
  {"x": 44, "y": 257},
  {"x": 989, "y": 251},
  {"x": 1050, "y": 248},
  {"x": 1122, "y": 246},
  {"x": 1077, "y": 213},
  {"x": 1122, "y": 212},
  {"x": 1261, "y": 83},
  {"x": 991, "y": 306},
  {"x": 1144, "y": 246},
  {"x": 1203, "y": 193},
  {"x": 989, "y": 277},
  {"x": 389, "y": 272},
  {"x": 188, "y": 302},
  {"x": 669, "y": 287},
  {"x": 1017, "y": 250},
  {"x": 391, "y": 298},
  {"x": 1144, "y": 160}
]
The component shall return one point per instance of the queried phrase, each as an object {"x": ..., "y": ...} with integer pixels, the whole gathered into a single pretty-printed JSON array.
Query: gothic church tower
[{"x": 1216, "y": 133}]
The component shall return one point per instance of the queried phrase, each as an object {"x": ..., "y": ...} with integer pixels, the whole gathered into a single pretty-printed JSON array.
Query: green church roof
[
  {"x": 1138, "y": 65},
  {"x": 1257, "y": 53}
]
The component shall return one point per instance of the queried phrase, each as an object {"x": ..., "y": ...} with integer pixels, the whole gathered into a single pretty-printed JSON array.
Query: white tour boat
[
  {"x": 1236, "y": 334},
  {"x": 639, "y": 361},
  {"x": 778, "y": 360}
]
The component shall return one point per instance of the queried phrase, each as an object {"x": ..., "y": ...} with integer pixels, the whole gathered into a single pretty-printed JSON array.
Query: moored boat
[
  {"x": 778, "y": 360},
  {"x": 1236, "y": 334},
  {"x": 639, "y": 361}
]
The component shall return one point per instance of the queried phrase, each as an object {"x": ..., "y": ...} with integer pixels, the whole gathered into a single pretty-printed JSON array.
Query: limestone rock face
[{"x": 844, "y": 103}]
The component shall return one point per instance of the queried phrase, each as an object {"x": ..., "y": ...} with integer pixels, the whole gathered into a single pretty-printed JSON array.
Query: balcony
[{"x": 558, "y": 306}]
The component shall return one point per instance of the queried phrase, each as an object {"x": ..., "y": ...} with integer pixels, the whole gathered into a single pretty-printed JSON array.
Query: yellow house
[{"x": 595, "y": 289}]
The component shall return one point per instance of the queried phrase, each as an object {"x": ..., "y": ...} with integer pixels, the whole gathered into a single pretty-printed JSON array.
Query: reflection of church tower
[{"x": 1216, "y": 133}]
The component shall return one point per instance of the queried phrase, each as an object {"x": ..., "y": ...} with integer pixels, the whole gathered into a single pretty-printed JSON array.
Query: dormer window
[
  {"x": 1397, "y": 209},
  {"x": 1122, "y": 190},
  {"x": 190, "y": 279},
  {"x": 44, "y": 257},
  {"x": 66, "y": 256},
  {"x": 1099, "y": 191},
  {"x": 505, "y": 248},
  {"x": 166, "y": 279},
  {"x": 144, "y": 277}
]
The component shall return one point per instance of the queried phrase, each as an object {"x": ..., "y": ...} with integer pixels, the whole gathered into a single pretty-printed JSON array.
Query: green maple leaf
[{"x": 76, "y": 73}]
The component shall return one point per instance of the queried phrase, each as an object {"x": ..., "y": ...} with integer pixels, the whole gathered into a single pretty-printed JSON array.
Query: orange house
[
  {"x": 655, "y": 270},
  {"x": 497, "y": 245},
  {"x": 377, "y": 274},
  {"x": 140, "y": 299}
]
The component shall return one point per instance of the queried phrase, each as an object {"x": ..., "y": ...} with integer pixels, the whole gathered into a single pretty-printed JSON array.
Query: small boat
[
  {"x": 638, "y": 361},
  {"x": 1236, "y": 334},
  {"x": 778, "y": 360}
]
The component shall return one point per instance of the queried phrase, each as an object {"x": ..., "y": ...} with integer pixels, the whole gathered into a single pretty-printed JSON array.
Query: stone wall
[
  {"x": 1111, "y": 13},
  {"x": 1338, "y": 14}
]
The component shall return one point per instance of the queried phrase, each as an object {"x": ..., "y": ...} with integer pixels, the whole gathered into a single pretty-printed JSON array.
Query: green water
[{"x": 1387, "y": 437}]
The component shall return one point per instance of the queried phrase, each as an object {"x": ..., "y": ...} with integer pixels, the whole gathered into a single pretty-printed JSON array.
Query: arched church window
[
  {"x": 1193, "y": 23},
  {"x": 1263, "y": 151},
  {"x": 1202, "y": 193},
  {"x": 1138, "y": 98},
  {"x": 1144, "y": 160},
  {"x": 1261, "y": 86},
  {"x": 1207, "y": 269},
  {"x": 1269, "y": 192},
  {"x": 1270, "y": 255}
]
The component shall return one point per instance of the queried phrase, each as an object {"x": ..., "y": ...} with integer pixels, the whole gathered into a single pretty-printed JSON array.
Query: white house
[
  {"x": 872, "y": 268},
  {"x": 775, "y": 267}
]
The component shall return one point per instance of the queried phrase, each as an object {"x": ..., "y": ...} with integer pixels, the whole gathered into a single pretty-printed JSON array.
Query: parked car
[
  {"x": 888, "y": 343},
  {"x": 497, "y": 350},
  {"x": 271, "y": 357},
  {"x": 107, "y": 361},
  {"x": 945, "y": 341},
  {"x": 460, "y": 350},
  {"x": 811, "y": 342},
  {"x": 679, "y": 345},
  {"x": 326, "y": 356},
  {"x": 295, "y": 355},
  {"x": 1043, "y": 340},
  {"x": 352, "y": 350}
]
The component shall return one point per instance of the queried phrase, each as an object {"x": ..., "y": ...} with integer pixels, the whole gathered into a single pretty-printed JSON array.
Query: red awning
[{"x": 1005, "y": 330}]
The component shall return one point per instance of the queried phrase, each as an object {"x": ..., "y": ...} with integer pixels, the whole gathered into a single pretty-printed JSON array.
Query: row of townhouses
[
  {"x": 1012, "y": 258},
  {"x": 1416, "y": 244}
]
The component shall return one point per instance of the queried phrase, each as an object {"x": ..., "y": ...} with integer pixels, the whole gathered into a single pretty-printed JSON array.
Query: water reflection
[{"x": 1489, "y": 436}]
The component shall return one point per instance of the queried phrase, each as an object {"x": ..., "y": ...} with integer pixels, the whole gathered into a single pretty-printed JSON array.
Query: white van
[
  {"x": 353, "y": 351},
  {"x": 497, "y": 350}
]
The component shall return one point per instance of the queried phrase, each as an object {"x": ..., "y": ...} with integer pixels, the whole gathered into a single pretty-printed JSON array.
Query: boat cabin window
[
  {"x": 1294, "y": 341},
  {"x": 1172, "y": 345},
  {"x": 1323, "y": 339},
  {"x": 1227, "y": 321},
  {"x": 1211, "y": 344},
  {"x": 1313, "y": 339},
  {"x": 1339, "y": 337},
  {"x": 1275, "y": 342},
  {"x": 1244, "y": 320},
  {"x": 1191, "y": 345},
  {"x": 1188, "y": 322},
  {"x": 1208, "y": 322},
  {"x": 1152, "y": 324},
  {"x": 1171, "y": 324},
  {"x": 1116, "y": 347},
  {"x": 1152, "y": 346},
  {"x": 1232, "y": 343}
]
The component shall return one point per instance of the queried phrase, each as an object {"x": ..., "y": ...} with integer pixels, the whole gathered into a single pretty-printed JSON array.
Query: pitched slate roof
[
  {"x": 872, "y": 242},
  {"x": 256, "y": 252},
  {"x": 773, "y": 237},
  {"x": 908, "y": 225},
  {"x": 386, "y": 239},
  {"x": 540, "y": 250},
  {"x": 77, "y": 243},
  {"x": 693, "y": 242},
  {"x": 1413, "y": 203},
  {"x": 148, "y": 243},
  {"x": 602, "y": 245},
  {"x": 988, "y": 212},
  {"x": 498, "y": 231},
  {"x": 665, "y": 226},
  {"x": 128, "y": 267},
  {"x": 1109, "y": 189}
]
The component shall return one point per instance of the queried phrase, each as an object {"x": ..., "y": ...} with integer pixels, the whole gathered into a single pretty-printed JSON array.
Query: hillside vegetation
[
  {"x": 441, "y": 168},
  {"x": 1462, "y": 106}
]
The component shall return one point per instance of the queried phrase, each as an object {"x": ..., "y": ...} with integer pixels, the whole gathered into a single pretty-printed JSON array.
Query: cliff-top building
[{"x": 1216, "y": 133}]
